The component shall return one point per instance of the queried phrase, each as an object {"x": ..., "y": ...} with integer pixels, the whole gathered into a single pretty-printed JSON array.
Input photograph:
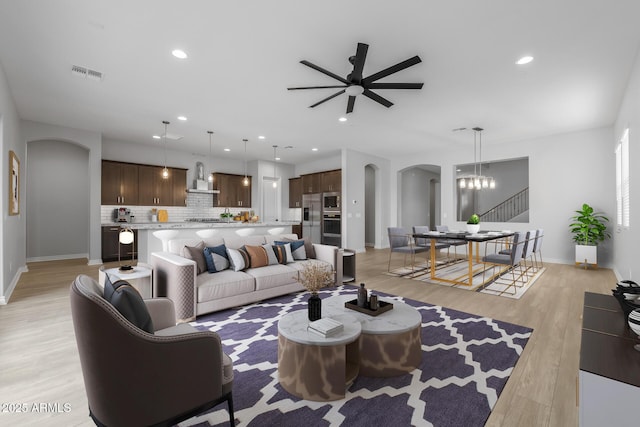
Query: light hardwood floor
[{"x": 39, "y": 361}]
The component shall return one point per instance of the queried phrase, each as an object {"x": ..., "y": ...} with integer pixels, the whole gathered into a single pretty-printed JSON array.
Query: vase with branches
[{"x": 315, "y": 276}]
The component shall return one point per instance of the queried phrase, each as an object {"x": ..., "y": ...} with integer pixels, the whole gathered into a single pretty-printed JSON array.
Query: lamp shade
[{"x": 126, "y": 236}]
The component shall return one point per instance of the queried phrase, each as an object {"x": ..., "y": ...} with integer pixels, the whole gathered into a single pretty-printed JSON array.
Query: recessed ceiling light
[
  {"x": 156, "y": 136},
  {"x": 342, "y": 119},
  {"x": 524, "y": 60},
  {"x": 277, "y": 158},
  {"x": 227, "y": 149},
  {"x": 179, "y": 53},
  {"x": 314, "y": 149},
  {"x": 182, "y": 118},
  {"x": 261, "y": 137}
]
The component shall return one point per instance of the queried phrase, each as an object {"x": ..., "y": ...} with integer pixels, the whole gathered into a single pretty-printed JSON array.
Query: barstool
[{"x": 165, "y": 236}]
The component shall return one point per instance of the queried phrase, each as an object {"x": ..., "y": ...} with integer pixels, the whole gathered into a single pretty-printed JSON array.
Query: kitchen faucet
[{"x": 227, "y": 215}]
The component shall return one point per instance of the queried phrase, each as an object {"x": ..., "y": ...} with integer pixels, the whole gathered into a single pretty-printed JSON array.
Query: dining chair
[
  {"x": 509, "y": 261},
  {"x": 537, "y": 248},
  {"x": 400, "y": 240},
  {"x": 527, "y": 252},
  {"x": 453, "y": 242}
]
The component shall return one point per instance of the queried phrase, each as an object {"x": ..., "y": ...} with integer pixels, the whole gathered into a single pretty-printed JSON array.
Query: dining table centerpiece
[
  {"x": 315, "y": 276},
  {"x": 473, "y": 224}
]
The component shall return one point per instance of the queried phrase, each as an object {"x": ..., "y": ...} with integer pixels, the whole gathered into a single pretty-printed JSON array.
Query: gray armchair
[
  {"x": 136, "y": 378},
  {"x": 400, "y": 240}
]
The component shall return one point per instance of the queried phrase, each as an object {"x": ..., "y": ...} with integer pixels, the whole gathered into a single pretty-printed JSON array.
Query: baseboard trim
[
  {"x": 57, "y": 257},
  {"x": 4, "y": 299}
]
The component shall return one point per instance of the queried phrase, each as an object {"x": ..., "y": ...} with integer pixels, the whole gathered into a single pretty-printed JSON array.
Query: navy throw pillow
[
  {"x": 127, "y": 300},
  {"x": 216, "y": 258}
]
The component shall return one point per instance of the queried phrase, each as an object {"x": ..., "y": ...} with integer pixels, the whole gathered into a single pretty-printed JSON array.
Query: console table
[{"x": 609, "y": 365}]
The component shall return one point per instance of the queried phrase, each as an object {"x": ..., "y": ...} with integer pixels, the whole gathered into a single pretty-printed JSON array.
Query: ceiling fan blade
[
  {"x": 327, "y": 98},
  {"x": 377, "y": 98},
  {"x": 314, "y": 87},
  {"x": 395, "y": 85},
  {"x": 326, "y": 72},
  {"x": 358, "y": 63},
  {"x": 393, "y": 69},
  {"x": 350, "y": 104}
]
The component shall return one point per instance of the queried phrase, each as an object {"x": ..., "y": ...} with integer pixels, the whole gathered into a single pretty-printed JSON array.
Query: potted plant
[
  {"x": 588, "y": 228},
  {"x": 473, "y": 225}
]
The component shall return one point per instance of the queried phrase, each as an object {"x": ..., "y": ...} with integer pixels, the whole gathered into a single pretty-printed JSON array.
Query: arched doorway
[{"x": 419, "y": 196}]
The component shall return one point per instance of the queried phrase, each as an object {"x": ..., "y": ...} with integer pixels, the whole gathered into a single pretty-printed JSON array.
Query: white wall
[
  {"x": 416, "y": 195},
  {"x": 320, "y": 164},
  {"x": 564, "y": 172},
  {"x": 625, "y": 241},
  {"x": 57, "y": 202},
  {"x": 12, "y": 228},
  {"x": 92, "y": 141}
]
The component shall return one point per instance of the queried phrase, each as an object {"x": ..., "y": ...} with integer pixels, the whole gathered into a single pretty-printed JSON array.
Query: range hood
[
  {"x": 202, "y": 187},
  {"x": 195, "y": 190}
]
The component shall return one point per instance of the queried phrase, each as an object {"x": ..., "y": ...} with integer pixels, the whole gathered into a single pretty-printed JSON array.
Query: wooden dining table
[{"x": 471, "y": 239}]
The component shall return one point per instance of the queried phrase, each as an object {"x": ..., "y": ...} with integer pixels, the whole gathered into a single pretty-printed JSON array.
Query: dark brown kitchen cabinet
[
  {"x": 312, "y": 183},
  {"x": 154, "y": 189},
  {"x": 179, "y": 187},
  {"x": 332, "y": 181},
  {"x": 233, "y": 192},
  {"x": 110, "y": 237},
  {"x": 297, "y": 230},
  {"x": 119, "y": 183},
  {"x": 295, "y": 192}
]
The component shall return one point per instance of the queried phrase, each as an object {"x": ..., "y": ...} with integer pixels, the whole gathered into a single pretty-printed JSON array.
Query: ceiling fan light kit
[{"x": 354, "y": 84}]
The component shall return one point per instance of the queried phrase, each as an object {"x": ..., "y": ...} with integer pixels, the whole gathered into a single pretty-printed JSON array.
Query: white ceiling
[{"x": 244, "y": 54}]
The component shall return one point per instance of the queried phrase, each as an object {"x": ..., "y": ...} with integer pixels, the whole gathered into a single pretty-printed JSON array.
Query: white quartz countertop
[{"x": 197, "y": 225}]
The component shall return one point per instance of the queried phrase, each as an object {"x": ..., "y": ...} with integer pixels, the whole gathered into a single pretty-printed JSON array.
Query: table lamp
[{"x": 126, "y": 237}]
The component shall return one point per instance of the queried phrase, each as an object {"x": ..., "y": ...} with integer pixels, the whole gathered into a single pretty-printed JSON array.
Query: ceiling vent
[
  {"x": 173, "y": 136},
  {"x": 86, "y": 73}
]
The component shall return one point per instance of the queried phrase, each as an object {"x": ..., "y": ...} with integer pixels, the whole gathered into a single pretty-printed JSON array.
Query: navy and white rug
[{"x": 466, "y": 363}]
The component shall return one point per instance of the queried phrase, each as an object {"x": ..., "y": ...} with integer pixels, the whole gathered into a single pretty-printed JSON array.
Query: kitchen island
[{"x": 148, "y": 243}]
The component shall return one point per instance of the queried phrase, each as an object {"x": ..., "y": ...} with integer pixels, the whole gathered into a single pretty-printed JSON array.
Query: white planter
[
  {"x": 586, "y": 254},
  {"x": 473, "y": 228}
]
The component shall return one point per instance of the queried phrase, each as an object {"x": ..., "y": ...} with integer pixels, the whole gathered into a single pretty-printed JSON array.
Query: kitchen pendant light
[
  {"x": 275, "y": 181},
  {"x": 165, "y": 171},
  {"x": 210, "y": 132},
  {"x": 245, "y": 181}
]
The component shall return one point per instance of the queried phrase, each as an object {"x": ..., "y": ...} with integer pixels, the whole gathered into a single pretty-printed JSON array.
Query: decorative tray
[{"x": 382, "y": 307}]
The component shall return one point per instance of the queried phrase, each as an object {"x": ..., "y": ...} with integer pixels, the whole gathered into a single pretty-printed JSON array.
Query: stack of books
[{"x": 326, "y": 327}]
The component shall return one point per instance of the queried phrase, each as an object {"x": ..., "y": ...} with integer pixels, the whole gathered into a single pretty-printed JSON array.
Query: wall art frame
[{"x": 14, "y": 184}]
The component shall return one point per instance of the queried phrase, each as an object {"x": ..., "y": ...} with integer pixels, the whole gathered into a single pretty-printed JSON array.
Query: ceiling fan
[{"x": 354, "y": 84}]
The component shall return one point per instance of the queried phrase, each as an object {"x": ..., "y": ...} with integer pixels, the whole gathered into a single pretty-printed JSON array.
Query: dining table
[{"x": 472, "y": 239}]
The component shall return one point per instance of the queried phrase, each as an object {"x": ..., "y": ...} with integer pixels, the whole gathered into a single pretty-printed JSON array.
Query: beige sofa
[{"x": 175, "y": 276}]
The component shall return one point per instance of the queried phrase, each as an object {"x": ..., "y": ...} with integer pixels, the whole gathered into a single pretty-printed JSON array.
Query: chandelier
[{"x": 477, "y": 181}]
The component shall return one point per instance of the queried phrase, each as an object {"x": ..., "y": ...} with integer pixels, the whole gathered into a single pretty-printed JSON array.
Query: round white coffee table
[
  {"x": 139, "y": 277},
  {"x": 313, "y": 367},
  {"x": 390, "y": 343}
]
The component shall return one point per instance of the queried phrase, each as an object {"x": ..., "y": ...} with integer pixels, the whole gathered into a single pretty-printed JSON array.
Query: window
[{"x": 622, "y": 181}]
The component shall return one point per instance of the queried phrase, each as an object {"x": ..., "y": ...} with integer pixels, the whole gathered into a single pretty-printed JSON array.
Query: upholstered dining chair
[
  {"x": 137, "y": 378},
  {"x": 400, "y": 240},
  {"x": 453, "y": 242},
  {"x": 510, "y": 261},
  {"x": 527, "y": 251},
  {"x": 537, "y": 248}
]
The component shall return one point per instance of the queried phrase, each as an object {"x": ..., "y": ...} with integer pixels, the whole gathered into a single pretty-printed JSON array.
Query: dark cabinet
[
  {"x": 110, "y": 245},
  {"x": 179, "y": 187},
  {"x": 119, "y": 183},
  {"x": 295, "y": 193},
  {"x": 155, "y": 190},
  {"x": 312, "y": 183},
  {"x": 297, "y": 230},
  {"x": 233, "y": 192},
  {"x": 332, "y": 181}
]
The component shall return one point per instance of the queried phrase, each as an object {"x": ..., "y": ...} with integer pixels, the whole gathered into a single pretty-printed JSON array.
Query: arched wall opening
[{"x": 419, "y": 196}]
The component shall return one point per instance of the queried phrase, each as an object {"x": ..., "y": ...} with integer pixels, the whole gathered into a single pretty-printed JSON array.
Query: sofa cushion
[
  {"x": 299, "y": 265},
  {"x": 224, "y": 284},
  {"x": 196, "y": 253},
  {"x": 127, "y": 300},
  {"x": 298, "y": 250},
  {"x": 287, "y": 248},
  {"x": 258, "y": 256},
  {"x": 239, "y": 259},
  {"x": 216, "y": 258},
  {"x": 281, "y": 253},
  {"x": 271, "y": 254},
  {"x": 273, "y": 276},
  {"x": 308, "y": 246}
]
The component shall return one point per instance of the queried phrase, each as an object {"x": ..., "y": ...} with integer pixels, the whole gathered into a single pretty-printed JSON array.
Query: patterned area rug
[
  {"x": 457, "y": 269},
  {"x": 466, "y": 362}
]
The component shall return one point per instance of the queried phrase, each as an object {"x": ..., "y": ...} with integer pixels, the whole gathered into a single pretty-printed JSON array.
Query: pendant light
[
  {"x": 165, "y": 171},
  {"x": 275, "y": 181},
  {"x": 210, "y": 132},
  {"x": 245, "y": 181},
  {"x": 477, "y": 181}
]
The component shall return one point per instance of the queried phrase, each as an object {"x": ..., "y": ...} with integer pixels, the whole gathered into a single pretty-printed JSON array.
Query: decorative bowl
[{"x": 634, "y": 321}]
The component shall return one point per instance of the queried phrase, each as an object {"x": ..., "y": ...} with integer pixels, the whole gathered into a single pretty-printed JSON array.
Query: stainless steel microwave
[{"x": 331, "y": 200}]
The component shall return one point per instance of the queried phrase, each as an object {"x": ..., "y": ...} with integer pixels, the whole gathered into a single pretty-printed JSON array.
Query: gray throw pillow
[
  {"x": 127, "y": 300},
  {"x": 271, "y": 255},
  {"x": 196, "y": 253}
]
